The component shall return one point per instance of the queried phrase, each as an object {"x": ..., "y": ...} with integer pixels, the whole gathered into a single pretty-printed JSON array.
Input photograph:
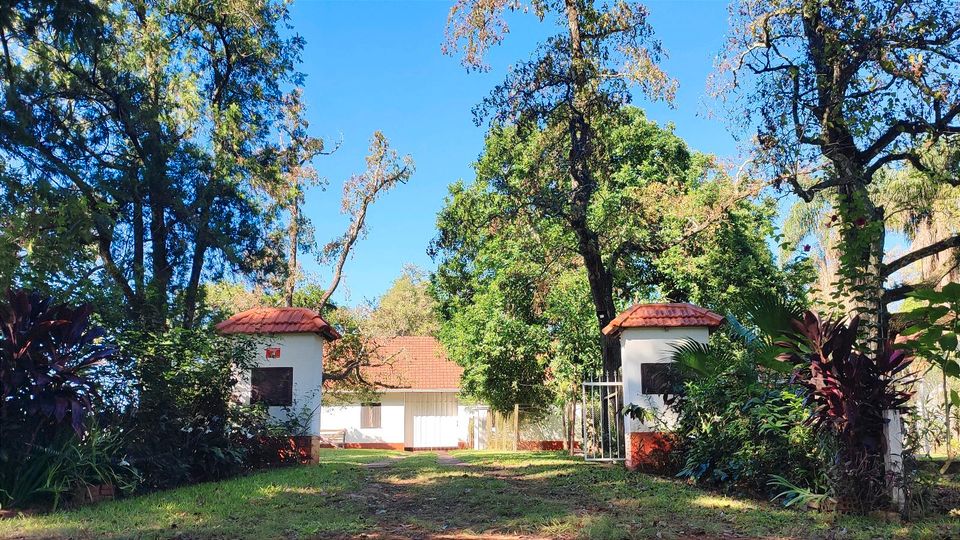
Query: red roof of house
[
  {"x": 274, "y": 320},
  {"x": 663, "y": 316},
  {"x": 412, "y": 363}
]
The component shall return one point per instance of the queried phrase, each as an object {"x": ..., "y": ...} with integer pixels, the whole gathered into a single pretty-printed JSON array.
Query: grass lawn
[{"x": 505, "y": 494}]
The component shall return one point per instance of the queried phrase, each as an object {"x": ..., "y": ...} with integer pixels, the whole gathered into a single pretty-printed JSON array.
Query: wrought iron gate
[{"x": 602, "y": 420}]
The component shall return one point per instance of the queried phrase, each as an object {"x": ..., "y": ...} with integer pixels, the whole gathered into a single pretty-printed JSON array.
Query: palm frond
[{"x": 701, "y": 359}]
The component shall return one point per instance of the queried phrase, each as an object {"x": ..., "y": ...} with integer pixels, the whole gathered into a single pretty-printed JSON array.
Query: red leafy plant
[
  {"x": 45, "y": 350},
  {"x": 848, "y": 391}
]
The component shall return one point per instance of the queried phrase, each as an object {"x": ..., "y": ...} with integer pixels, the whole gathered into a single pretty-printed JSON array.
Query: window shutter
[{"x": 370, "y": 415}]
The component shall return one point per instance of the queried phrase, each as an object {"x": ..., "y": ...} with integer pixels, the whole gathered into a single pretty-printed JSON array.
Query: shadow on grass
[
  {"x": 302, "y": 500},
  {"x": 545, "y": 494}
]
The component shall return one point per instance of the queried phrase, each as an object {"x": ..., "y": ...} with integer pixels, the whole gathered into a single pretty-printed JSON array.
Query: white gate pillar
[{"x": 893, "y": 456}]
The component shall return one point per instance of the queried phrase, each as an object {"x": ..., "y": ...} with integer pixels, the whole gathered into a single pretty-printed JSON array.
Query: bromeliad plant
[{"x": 849, "y": 390}]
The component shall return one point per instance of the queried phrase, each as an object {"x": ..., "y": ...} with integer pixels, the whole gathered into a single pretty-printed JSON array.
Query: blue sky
[{"x": 377, "y": 65}]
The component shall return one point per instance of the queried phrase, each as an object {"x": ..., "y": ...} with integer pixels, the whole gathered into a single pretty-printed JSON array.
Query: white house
[
  {"x": 417, "y": 405},
  {"x": 289, "y": 370},
  {"x": 648, "y": 334},
  {"x": 417, "y": 387}
]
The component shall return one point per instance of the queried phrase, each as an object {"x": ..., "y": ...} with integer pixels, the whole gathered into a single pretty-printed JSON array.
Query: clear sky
[{"x": 377, "y": 65}]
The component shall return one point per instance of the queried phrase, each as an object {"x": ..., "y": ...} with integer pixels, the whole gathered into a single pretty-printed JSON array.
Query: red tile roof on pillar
[
  {"x": 285, "y": 320},
  {"x": 663, "y": 316}
]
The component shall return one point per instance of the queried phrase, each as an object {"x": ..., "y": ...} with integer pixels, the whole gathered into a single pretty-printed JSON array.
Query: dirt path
[
  {"x": 444, "y": 458},
  {"x": 416, "y": 500}
]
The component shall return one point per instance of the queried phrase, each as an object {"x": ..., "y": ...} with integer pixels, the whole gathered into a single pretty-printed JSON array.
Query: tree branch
[{"x": 914, "y": 256}]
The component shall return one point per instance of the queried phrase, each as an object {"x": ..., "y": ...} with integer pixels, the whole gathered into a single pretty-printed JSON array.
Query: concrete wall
[
  {"x": 650, "y": 345},
  {"x": 304, "y": 353}
]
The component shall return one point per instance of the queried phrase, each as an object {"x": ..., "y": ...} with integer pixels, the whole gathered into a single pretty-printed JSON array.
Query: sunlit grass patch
[{"x": 723, "y": 503}]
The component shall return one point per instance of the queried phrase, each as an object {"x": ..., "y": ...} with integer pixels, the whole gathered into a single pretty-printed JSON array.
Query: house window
[
  {"x": 657, "y": 379},
  {"x": 272, "y": 386},
  {"x": 370, "y": 415}
]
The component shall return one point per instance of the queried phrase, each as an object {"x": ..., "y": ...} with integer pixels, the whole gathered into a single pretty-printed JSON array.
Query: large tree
[
  {"x": 513, "y": 289},
  {"x": 143, "y": 121},
  {"x": 574, "y": 79},
  {"x": 837, "y": 92}
]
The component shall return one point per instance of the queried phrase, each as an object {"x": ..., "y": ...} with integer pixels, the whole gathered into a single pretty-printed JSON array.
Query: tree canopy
[
  {"x": 513, "y": 290},
  {"x": 574, "y": 79},
  {"x": 837, "y": 92},
  {"x": 137, "y": 128},
  {"x": 406, "y": 309}
]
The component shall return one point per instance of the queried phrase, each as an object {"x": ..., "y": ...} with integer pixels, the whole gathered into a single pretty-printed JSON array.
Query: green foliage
[
  {"x": 406, "y": 309},
  {"x": 737, "y": 430},
  {"x": 932, "y": 336},
  {"x": 794, "y": 495},
  {"x": 740, "y": 419},
  {"x": 150, "y": 175},
  {"x": 934, "y": 326},
  {"x": 56, "y": 469},
  {"x": 768, "y": 318},
  {"x": 180, "y": 425},
  {"x": 503, "y": 354},
  {"x": 506, "y": 251}
]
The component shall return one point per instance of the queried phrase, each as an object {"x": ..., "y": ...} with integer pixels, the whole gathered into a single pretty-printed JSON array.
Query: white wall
[
  {"x": 650, "y": 345},
  {"x": 302, "y": 352},
  {"x": 396, "y": 425},
  {"x": 348, "y": 417}
]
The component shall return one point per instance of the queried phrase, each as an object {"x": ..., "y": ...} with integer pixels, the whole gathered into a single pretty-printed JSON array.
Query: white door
[{"x": 431, "y": 420}]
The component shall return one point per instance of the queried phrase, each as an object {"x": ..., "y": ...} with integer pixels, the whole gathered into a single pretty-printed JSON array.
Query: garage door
[{"x": 431, "y": 420}]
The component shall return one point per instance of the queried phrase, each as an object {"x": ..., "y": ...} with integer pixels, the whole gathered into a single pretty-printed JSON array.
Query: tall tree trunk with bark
[
  {"x": 583, "y": 186},
  {"x": 861, "y": 262}
]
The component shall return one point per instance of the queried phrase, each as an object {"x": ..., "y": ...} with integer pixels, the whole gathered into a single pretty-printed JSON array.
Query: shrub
[
  {"x": 737, "y": 432},
  {"x": 268, "y": 441},
  {"x": 46, "y": 352},
  {"x": 62, "y": 468},
  {"x": 740, "y": 421},
  {"x": 180, "y": 422},
  {"x": 848, "y": 391}
]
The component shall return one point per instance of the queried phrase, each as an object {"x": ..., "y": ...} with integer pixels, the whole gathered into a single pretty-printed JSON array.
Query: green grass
[{"x": 543, "y": 494}]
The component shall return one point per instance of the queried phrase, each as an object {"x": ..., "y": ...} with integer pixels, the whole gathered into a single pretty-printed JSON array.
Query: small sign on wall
[{"x": 272, "y": 352}]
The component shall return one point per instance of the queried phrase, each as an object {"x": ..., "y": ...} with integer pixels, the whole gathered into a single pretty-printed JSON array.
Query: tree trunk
[
  {"x": 191, "y": 296},
  {"x": 294, "y": 240},
  {"x": 861, "y": 262},
  {"x": 157, "y": 300},
  {"x": 582, "y": 189},
  {"x": 139, "y": 240}
]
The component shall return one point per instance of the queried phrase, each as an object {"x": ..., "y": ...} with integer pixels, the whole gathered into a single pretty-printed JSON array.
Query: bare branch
[{"x": 385, "y": 169}]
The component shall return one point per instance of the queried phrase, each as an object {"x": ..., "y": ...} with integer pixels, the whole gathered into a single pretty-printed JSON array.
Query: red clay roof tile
[
  {"x": 270, "y": 320},
  {"x": 412, "y": 363},
  {"x": 663, "y": 316}
]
